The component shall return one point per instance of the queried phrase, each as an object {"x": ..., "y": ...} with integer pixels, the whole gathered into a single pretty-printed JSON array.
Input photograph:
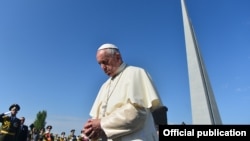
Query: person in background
[
  {"x": 10, "y": 124},
  {"x": 34, "y": 135},
  {"x": 72, "y": 136},
  {"x": 48, "y": 135},
  {"x": 123, "y": 107},
  {"x": 41, "y": 133},
  {"x": 23, "y": 131},
  {"x": 63, "y": 137},
  {"x": 82, "y": 136}
]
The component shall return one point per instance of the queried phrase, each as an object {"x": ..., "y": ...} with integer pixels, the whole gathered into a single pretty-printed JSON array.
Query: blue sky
[{"x": 48, "y": 48}]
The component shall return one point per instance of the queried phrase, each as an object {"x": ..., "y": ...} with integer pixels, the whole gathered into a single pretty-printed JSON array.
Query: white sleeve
[{"x": 124, "y": 120}]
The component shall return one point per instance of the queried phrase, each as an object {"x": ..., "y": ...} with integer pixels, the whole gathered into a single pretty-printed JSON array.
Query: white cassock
[{"x": 124, "y": 105}]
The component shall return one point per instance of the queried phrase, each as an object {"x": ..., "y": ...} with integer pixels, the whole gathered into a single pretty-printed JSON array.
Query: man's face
[
  {"x": 22, "y": 120},
  {"x": 108, "y": 63},
  {"x": 48, "y": 129},
  {"x": 14, "y": 111}
]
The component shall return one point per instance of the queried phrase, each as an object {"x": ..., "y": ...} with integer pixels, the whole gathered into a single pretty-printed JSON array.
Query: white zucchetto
[{"x": 107, "y": 45}]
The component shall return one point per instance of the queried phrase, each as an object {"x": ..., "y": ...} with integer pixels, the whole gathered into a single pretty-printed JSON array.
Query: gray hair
[{"x": 112, "y": 51}]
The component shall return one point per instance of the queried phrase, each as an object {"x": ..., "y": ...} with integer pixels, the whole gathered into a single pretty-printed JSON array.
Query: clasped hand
[{"x": 92, "y": 129}]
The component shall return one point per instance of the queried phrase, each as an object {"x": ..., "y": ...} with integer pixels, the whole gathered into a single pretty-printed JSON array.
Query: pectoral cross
[{"x": 104, "y": 107}]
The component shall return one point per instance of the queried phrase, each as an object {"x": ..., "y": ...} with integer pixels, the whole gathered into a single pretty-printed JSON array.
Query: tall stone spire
[{"x": 203, "y": 104}]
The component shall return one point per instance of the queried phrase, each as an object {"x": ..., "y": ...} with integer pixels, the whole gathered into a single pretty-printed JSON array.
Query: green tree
[{"x": 40, "y": 120}]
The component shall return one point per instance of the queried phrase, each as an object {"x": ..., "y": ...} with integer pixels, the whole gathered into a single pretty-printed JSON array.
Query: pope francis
[{"x": 122, "y": 110}]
